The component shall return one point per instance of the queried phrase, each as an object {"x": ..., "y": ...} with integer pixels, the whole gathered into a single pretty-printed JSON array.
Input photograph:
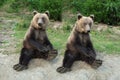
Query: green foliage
[
  {"x": 67, "y": 27},
  {"x": 2, "y": 2},
  {"x": 53, "y": 6},
  {"x": 16, "y": 5},
  {"x": 106, "y": 11},
  {"x": 112, "y": 8},
  {"x": 23, "y": 22},
  {"x": 22, "y": 25}
]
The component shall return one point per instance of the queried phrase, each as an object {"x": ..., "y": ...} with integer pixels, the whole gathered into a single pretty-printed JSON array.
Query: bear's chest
[
  {"x": 40, "y": 36},
  {"x": 83, "y": 39}
]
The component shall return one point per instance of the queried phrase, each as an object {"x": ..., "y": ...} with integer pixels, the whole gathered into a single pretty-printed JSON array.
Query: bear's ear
[
  {"x": 48, "y": 14},
  {"x": 79, "y": 16},
  {"x": 92, "y": 16},
  {"x": 35, "y": 12}
]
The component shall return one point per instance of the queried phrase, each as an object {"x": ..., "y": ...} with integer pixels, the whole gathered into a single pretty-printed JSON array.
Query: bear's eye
[
  {"x": 85, "y": 23},
  {"x": 90, "y": 24},
  {"x": 43, "y": 19},
  {"x": 37, "y": 19}
]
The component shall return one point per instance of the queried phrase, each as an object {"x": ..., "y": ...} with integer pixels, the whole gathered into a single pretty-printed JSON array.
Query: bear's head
[
  {"x": 40, "y": 20},
  {"x": 83, "y": 23}
]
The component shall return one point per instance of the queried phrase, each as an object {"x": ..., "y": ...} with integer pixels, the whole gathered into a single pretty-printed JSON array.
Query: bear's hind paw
[
  {"x": 96, "y": 64},
  {"x": 63, "y": 69},
  {"x": 19, "y": 67},
  {"x": 52, "y": 55}
]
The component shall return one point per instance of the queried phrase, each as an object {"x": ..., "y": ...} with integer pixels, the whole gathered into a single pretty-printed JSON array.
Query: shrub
[
  {"x": 106, "y": 11},
  {"x": 66, "y": 28},
  {"x": 54, "y": 7},
  {"x": 112, "y": 11},
  {"x": 23, "y": 24},
  {"x": 2, "y": 2}
]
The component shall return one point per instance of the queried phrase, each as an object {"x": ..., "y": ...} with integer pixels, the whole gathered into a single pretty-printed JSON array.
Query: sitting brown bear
[
  {"x": 36, "y": 43},
  {"x": 79, "y": 45}
]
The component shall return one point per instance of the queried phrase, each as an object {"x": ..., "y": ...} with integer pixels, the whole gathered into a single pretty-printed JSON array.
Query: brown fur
[
  {"x": 79, "y": 27},
  {"x": 36, "y": 43},
  {"x": 34, "y": 27},
  {"x": 35, "y": 19},
  {"x": 79, "y": 45}
]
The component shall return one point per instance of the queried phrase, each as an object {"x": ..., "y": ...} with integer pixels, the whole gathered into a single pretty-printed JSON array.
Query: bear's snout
[
  {"x": 40, "y": 24},
  {"x": 87, "y": 28},
  {"x": 88, "y": 31}
]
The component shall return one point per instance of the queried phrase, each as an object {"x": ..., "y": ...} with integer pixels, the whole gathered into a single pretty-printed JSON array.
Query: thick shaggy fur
[
  {"x": 79, "y": 45},
  {"x": 36, "y": 43}
]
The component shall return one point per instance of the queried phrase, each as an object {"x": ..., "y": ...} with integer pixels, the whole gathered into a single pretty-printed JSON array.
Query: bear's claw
[
  {"x": 63, "y": 69},
  {"x": 52, "y": 55},
  {"x": 19, "y": 67},
  {"x": 96, "y": 64}
]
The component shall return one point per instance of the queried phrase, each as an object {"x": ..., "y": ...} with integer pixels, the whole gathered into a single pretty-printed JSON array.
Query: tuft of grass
[
  {"x": 19, "y": 36},
  {"x": 106, "y": 41},
  {"x": 58, "y": 38}
]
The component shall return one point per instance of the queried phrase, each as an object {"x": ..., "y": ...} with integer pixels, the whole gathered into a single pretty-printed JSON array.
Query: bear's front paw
[
  {"x": 52, "y": 55},
  {"x": 44, "y": 50},
  {"x": 96, "y": 64},
  {"x": 63, "y": 69},
  {"x": 19, "y": 67}
]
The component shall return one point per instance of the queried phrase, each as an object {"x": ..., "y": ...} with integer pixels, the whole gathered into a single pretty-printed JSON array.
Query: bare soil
[{"x": 46, "y": 70}]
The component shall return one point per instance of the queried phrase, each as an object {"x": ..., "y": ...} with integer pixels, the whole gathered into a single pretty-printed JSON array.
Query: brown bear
[
  {"x": 36, "y": 43},
  {"x": 79, "y": 45}
]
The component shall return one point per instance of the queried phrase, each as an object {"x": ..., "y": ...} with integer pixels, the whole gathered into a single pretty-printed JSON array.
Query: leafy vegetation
[
  {"x": 106, "y": 11},
  {"x": 54, "y": 7},
  {"x": 2, "y": 2}
]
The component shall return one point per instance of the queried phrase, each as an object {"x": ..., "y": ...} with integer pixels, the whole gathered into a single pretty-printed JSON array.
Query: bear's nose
[
  {"x": 40, "y": 24},
  {"x": 88, "y": 31}
]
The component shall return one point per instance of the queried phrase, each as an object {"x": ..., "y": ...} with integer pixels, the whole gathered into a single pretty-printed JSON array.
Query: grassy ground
[{"x": 106, "y": 41}]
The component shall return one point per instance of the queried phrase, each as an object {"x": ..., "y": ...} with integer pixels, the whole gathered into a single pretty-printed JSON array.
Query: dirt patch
[
  {"x": 56, "y": 24},
  {"x": 7, "y": 41},
  {"x": 100, "y": 27},
  {"x": 46, "y": 70}
]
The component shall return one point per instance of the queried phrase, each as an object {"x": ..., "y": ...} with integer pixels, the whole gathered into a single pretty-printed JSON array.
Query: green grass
[
  {"x": 107, "y": 41},
  {"x": 102, "y": 41},
  {"x": 58, "y": 38},
  {"x": 19, "y": 36}
]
